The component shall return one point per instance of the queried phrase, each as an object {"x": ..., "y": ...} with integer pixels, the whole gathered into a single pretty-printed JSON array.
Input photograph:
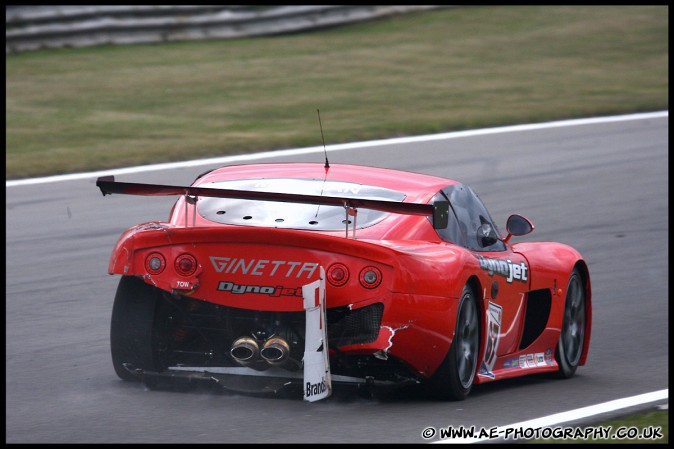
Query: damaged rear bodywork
[{"x": 226, "y": 307}]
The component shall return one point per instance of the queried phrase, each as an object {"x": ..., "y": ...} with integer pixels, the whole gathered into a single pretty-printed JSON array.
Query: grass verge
[{"x": 458, "y": 68}]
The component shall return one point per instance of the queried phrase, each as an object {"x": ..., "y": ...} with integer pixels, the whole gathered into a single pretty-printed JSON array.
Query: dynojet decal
[
  {"x": 271, "y": 290},
  {"x": 506, "y": 268}
]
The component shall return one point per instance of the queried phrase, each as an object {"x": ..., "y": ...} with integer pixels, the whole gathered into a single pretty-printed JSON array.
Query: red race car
[{"x": 268, "y": 276}]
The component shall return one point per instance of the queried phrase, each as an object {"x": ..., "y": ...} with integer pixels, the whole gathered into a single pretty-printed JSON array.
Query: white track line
[
  {"x": 574, "y": 415},
  {"x": 346, "y": 146}
]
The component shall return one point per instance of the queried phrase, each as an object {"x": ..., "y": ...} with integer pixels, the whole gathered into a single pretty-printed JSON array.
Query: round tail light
[
  {"x": 338, "y": 274},
  {"x": 370, "y": 277},
  {"x": 155, "y": 263},
  {"x": 186, "y": 264}
]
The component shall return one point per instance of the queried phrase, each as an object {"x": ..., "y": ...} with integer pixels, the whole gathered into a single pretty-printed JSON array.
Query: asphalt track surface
[{"x": 601, "y": 188}]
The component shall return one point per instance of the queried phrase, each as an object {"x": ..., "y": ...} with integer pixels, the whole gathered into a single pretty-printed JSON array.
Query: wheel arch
[
  {"x": 474, "y": 283},
  {"x": 584, "y": 271}
]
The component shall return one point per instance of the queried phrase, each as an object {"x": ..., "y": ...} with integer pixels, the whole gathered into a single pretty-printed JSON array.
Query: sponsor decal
[
  {"x": 512, "y": 363},
  {"x": 494, "y": 314},
  {"x": 528, "y": 361},
  {"x": 317, "y": 380},
  {"x": 273, "y": 291},
  {"x": 316, "y": 389},
  {"x": 531, "y": 360},
  {"x": 264, "y": 267},
  {"x": 548, "y": 357},
  {"x": 506, "y": 268}
]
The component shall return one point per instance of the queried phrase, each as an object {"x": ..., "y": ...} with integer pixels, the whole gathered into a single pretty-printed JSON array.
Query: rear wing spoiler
[{"x": 439, "y": 211}]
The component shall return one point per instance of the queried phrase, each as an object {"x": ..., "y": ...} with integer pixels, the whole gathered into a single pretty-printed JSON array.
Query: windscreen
[{"x": 294, "y": 215}]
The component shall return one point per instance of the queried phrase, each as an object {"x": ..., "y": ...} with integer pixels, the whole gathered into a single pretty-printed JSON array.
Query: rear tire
[
  {"x": 570, "y": 345},
  {"x": 131, "y": 328},
  {"x": 454, "y": 378}
]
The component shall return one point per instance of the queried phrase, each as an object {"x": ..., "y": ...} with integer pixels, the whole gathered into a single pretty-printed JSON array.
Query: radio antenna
[{"x": 327, "y": 164}]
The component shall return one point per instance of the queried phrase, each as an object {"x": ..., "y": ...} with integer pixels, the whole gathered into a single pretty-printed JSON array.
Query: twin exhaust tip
[
  {"x": 275, "y": 351},
  {"x": 246, "y": 351}
]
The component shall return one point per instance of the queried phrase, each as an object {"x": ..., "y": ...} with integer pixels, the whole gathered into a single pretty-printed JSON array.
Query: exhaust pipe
[
  {"x": 275, "y": 351},
  {"x": 245, "y": 351}
]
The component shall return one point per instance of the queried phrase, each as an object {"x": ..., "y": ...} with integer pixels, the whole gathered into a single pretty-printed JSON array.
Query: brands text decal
[{"x": 317, "y": 388}]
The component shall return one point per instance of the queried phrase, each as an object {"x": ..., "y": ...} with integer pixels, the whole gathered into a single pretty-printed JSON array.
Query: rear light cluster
[
  {"x": 338, "y": 274},
  {"x": 370, "y": 277},
  {"x": 185, "y": 264},
  {"x": 155, "y": 264}
]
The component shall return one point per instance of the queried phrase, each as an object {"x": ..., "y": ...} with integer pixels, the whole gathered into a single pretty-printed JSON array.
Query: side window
[
  {"x": 452, "y": 233},
  {"x": 472, "y": 216}
]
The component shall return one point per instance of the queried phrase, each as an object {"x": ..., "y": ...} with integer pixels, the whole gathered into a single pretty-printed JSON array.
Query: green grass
[
  {"x": 75, "y": 110},
  {"x": 644, "y": 424}
]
